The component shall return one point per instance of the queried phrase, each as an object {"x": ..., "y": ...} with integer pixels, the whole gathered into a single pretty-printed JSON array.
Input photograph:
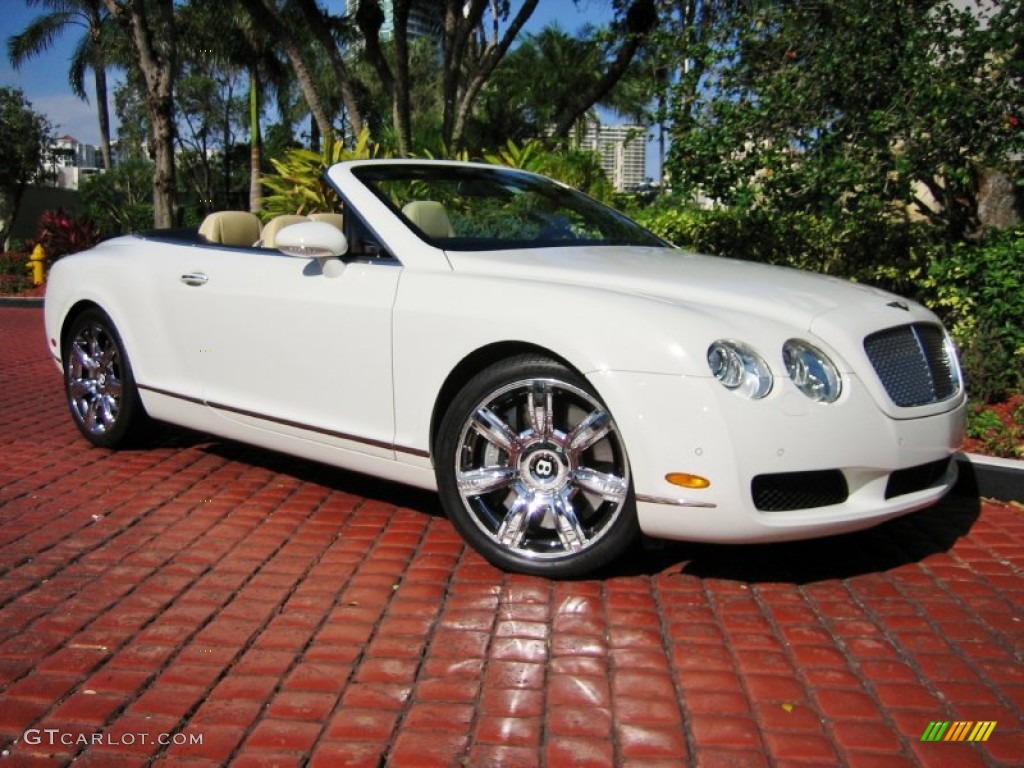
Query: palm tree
[{"x": 90, "y": 53}]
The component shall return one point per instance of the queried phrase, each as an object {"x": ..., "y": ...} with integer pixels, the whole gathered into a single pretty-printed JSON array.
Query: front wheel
[
  {"x": 99, "y": 384},
  {"x": 533, "y": 472}
]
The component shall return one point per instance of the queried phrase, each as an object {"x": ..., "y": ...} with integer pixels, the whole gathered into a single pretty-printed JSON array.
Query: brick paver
[{"x": 285, "y": 613}]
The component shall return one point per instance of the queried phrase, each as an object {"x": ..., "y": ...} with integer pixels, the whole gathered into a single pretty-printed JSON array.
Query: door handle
[{"x": 194, "y": 278}]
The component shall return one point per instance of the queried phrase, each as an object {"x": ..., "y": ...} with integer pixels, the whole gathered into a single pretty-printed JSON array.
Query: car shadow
[
  {"x": 308, "y": 471},
  {"x": 898, "y": 542}
]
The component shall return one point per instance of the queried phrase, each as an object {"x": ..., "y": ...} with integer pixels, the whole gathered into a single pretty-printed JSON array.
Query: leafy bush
[
  {"x": 14, "y": 276},
  {"x": 997, "y": 430},
  {"x": 121, "y": 199},
  {"x": 862, "y": 248},
  {"x": 298, "y": 186},
  {"x": 61, "y": 233},
  {"x": 978, "y": 290},
  {"x": 580, "y": 169}
]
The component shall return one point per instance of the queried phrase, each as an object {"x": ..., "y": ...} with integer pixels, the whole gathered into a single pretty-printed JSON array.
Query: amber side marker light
[{"x": 685, "y": 480}]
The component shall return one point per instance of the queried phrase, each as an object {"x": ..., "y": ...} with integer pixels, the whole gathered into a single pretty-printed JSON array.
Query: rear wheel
[
  {"x": 533, "y": 472},
  {"x": 98, "y": 380}
]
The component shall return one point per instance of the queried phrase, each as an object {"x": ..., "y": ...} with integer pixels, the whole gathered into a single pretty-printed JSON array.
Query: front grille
[
  {"x": 914, "y": 363},
  {"x": 914, "y": 479},
  {"x": 799, "y": 490}
]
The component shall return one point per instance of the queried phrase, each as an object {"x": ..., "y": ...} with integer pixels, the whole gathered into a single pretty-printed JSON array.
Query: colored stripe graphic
[
  {"x": 982, "y": 731},
  {"x": 959, "y": 730}
]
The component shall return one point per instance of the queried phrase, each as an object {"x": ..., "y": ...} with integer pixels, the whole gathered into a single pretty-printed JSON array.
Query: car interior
[{"x": 243, "y": 229}]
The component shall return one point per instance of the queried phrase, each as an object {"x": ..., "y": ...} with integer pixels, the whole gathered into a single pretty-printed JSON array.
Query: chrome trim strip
[
  {"x": 168, "y": 393},
  {"x": 289, "y": 423},
  {"x": 675, "y": 502}
]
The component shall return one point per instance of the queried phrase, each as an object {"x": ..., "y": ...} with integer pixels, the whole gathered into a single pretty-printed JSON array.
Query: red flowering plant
[{"x": 61, "y": 233}]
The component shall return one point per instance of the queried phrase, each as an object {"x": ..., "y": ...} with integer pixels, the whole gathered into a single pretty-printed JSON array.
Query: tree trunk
[
  {"x": 370, "y": 18},
  {"x": 154, "y": 43},
  {"x": 226, "y": 146},
  {"x": 103, "y": 113},
  {"x": 265, "y": 16},
  {"x": 458, "y": 106},
  {"x": 255, "y": 150},
  {"x": 318, "y": 23},
  {"x": 402, "y": 105},
  {"x": 460, "y": 20}
]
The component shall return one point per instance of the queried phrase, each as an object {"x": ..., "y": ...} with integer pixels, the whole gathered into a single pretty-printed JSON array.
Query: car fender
[
  {"x": 118, "y": 279},
  {"x": 440, "y": 321}
]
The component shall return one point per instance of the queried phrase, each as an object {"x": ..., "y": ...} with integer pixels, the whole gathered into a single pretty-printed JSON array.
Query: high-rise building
[
  {"x": 424, "y": 18},
  {"x": 623, "y": 150}
]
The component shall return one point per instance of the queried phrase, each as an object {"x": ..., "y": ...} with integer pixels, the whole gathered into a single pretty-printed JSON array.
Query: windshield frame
[{"x": 555, "y": 208}]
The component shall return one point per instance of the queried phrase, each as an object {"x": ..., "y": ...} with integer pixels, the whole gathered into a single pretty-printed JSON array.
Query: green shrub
[
  {"x": 997, "y": 435},
  {"x": 298, "y": 184},
  {"x": 862, "y": 248},
  {"x": 978, "y": 290},
  {"x": 14, "y": 275},
  {"x": 121, "y": 199},
  {"x": 580, "y": 169}
]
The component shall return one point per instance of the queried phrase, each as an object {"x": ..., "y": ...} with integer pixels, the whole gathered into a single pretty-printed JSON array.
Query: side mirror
[
  {"x": 315, "y": 240},
  {"x": 311, "y": 239}
]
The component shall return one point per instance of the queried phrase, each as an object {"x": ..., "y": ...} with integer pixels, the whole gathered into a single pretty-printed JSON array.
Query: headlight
[
  {"x": 812, "y": 371},
  {"x": 739, "y": 368}
]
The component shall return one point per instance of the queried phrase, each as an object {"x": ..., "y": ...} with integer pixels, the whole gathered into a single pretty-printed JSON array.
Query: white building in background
[
  {"x": 623, "y": 151},
  {"x": 71, "y": 161}
]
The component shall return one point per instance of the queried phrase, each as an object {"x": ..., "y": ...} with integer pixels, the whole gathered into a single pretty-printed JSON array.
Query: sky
[{"x": 44, "y": 79}]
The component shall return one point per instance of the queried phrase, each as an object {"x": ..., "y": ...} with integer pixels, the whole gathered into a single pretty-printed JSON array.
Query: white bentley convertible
[{"x": 565, "y": 379}]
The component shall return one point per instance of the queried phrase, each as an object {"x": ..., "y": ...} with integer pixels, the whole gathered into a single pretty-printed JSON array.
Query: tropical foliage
[
  {"x": 61, "y": 233},
  {"x": 23, "y": 134},
  {"x": 298, "y": 184}
]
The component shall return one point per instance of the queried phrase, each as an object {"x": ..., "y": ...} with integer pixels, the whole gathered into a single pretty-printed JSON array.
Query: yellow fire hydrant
[{"x": 35, "y": 263}]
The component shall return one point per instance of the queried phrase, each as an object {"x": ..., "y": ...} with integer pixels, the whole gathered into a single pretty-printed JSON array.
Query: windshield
[{"x": 465, "y": 208}]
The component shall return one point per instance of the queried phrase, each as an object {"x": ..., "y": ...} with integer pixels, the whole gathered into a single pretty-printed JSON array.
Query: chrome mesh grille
[{"x": 914, "y": 364}]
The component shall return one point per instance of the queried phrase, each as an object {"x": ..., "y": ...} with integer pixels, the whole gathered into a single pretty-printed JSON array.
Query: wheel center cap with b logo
[{"x": 543, "y": 468}]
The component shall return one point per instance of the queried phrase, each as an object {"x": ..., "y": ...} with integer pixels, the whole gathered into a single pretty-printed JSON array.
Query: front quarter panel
[{"x": 440, "y": 320}]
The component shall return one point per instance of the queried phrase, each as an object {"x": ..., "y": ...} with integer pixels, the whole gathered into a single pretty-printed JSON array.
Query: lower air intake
[
  {"x": 914, "y": 479},
  {"x": 788, "y": 491}
]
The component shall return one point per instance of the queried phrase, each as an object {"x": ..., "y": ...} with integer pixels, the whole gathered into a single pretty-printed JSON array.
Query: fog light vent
[{"x": 788, "y": 491}]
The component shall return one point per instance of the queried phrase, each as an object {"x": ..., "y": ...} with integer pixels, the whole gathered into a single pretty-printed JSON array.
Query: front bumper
[{"x": 862, "y": 466}]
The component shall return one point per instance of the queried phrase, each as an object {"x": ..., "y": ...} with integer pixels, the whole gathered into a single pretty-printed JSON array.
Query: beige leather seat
[
  {"x": 275, "y": 225},
  {"x": 337, "y": 219},
  {"x": 430, "y": 217},
  {"x": 231, "y": 228}
]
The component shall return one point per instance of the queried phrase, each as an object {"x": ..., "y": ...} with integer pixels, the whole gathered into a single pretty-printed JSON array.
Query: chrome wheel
[
  {"x": 541, "y": 475},
  {"x": 94, "y": 379},
  {"x": 98, "y": 380}
]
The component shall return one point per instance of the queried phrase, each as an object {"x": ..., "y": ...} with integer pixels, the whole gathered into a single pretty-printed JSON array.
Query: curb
[
  {"x": 21, "y": 301},
  {"x": 992, "y": 478}
]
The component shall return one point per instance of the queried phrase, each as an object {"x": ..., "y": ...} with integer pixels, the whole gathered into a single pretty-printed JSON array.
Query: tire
[
  {"x": 532, "y": 470},
  {"x": 98, "y": 381}
]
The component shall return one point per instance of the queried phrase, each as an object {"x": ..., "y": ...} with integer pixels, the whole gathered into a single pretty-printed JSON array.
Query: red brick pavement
[{"x": 289, "y": 614}]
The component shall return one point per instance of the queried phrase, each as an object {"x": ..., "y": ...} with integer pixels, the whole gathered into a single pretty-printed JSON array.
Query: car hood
[{"x": 789, "y": 296}]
